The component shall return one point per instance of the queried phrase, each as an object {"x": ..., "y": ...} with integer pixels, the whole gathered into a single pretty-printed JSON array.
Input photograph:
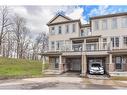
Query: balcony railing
[{"x": 83, "y": 47}]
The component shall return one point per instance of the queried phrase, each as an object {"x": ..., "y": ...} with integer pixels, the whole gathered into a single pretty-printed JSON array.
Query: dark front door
[{"x": 118, "y": 63}]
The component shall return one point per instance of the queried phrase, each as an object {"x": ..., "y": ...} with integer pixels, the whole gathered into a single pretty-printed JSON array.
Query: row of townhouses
[{"x": 73, "y": 45}]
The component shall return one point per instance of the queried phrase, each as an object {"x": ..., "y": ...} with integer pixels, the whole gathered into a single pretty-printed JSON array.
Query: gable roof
[
  {"x": 69, "y": 19},
  {"x": 77, "y": 20}
]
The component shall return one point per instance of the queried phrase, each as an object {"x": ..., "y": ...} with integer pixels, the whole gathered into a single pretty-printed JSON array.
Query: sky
[{"x": 38, "y": 16}]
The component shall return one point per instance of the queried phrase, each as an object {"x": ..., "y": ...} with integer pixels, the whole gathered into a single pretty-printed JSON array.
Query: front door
[
  {"x": 118, "y": 63},
  {"x": 54, "y": 63}
]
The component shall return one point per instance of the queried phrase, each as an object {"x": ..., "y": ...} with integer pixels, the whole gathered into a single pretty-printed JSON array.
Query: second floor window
[
  {"x": 104, "y": 24},
  {"x": 52, "y": 30},
  {"x": 59, "y": 45},
  {"x": 125, "y": 41},
  {"x": 96, "y": 25},
  {"x": 67, "y": 28},
  {"x": 82, "y": 33},
  {"x": 60, "y": 30},
  {"x": 52, "y": 45},
  {"x": 73, "y": 26},
  {"x": 114, "y": 23},
  {"x": 104, "y": 43},
  {"x": 115, "y": 41},
  {"x": 124, "y": 22}
]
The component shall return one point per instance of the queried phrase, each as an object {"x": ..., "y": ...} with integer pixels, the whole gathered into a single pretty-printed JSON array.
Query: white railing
[
  {"x": 97, "y": 46},
  {"x": 120, "y": 46},
  {"x": 83, "y": 47}
]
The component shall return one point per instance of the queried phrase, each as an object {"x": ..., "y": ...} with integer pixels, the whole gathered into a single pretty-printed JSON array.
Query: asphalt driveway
[{"x": 61, "y": 82}]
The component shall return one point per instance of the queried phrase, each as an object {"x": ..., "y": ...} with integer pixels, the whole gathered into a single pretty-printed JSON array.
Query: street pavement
[{"x": 61, "y": 83}]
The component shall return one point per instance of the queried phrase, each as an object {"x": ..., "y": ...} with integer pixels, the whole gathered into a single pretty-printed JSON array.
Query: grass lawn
[{"x": 19, "y": 68}]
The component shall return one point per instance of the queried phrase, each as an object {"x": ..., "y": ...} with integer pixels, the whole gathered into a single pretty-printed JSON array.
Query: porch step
[{"x": 98, "y": 76}]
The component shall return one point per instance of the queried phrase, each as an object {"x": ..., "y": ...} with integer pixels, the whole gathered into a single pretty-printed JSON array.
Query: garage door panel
[{"x": 76, "y": 64}]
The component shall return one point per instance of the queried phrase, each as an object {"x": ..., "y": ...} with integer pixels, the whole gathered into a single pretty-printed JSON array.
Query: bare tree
[
  {"x": 15, "y": 37},
  {"x": 20, "y": 34},
  {"x": 5, "y": 22},
  {"x": 24, "y": 42},
  {"x": 40, "y": 45}
]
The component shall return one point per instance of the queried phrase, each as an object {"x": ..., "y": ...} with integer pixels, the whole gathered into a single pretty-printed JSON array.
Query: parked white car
[{"x": 96, "y": 68}]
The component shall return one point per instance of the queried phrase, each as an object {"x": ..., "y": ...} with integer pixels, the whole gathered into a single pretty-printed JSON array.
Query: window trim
[
  {"x": 114, "y": 43},
  {"x": 67, "y": 28},
  {"x": 82, "y": 33},
  {"x": 58, "y": 44},
  {"x": 125, "y": 40},
  {"x": 96, "y": 25},
  {"x": 60, "y": 30},
  {"x": 52, "y": 30},
  {"x": 123, "y": 22},
  {"x": 52, "y": 45},
  {"x": 116, "y": 23},
  {"x": 73, "y": 28},
  {"x": 104, "y": 26}
]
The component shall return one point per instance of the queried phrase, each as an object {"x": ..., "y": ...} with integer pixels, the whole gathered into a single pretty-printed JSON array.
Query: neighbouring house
[{"x": 73, "y": 45}]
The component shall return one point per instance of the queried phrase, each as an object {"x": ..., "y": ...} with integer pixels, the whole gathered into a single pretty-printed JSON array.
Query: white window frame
[
  {"x": 52, "y": 46},
  {"x": 59, "y": 29},
  {"x": 124, "y": 22},
  {"x": 104, "y": 43},
  {"x": 104, "y": 24},
  {"x": 82, "y": 32},
  {"x": 114, "y": 43},
  {"x": 52, "y": 31},
  {"x": 67, "y": 28},
  {"x": 59, "y": 44},
  {"x": 96, "y": 25},
  {"x": 125, "y": 40},
  {"x": 114, "y": 24},
  {"x": 73, "y": 27}
]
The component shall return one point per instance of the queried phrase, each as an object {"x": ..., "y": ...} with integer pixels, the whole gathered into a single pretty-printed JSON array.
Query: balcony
[{"x": 88, "y": 47}]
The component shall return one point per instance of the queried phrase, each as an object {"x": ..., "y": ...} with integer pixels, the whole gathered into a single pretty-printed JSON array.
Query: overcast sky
[{"x": 38, "y": 16}]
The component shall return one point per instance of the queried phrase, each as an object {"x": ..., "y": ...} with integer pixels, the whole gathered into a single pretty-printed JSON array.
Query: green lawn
[{"x": 18, "y": 68}]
